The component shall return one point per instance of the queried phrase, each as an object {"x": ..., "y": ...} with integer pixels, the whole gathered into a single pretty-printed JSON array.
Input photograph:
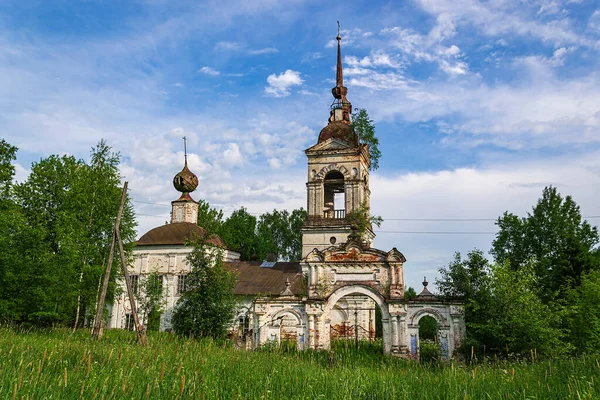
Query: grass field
[{"x": 58, "y": 364}]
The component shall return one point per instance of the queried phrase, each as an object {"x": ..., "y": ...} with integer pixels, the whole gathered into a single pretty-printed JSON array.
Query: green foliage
[
  {"x": 470, "y": 281},
  {"x": 56, "y": 232},
  {"x": 583, "y": 314},
  {"x": 503, "y": 310},
  {"x": 365, "y": 129},
  {"x": 519, "y": 320},
  {"x": 151, "y": 300},
  {"x": 69, "y": 366},
  {"x": 239, "y": 233},
  {"x": 8, "y": 153},
  {"x": 209, "y": 218},
  {"x": 428, "y": 328},
  {"x": 279, "y": 233},
  {"x": 544, "y": 290},
  {"x": 361, "y": 220},
  {"x": 208, "y": 306},
  {"x": 409, "y": 293},
  {"x": 429, "y": 351},
  {"x": 554, "y": 237}
]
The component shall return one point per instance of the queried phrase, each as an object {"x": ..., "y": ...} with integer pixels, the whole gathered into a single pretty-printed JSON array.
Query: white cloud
[
  {"x": 274, "y": 163},
  {"x": 21, "y": 173},
  {"x": 308, "y": 93},
  {"x": 349, "y": 36},
  {"x": 377, "y": 58},
  {"x": 279, "y": 85},
  {"x": 232, "y": 156},
  {"x": 456, "y": 68},
  {"x": 377, "y": 81},
  {"x": 228, "y": 46},
  {"x": 542, "y": 109},
  {"x": 484, "y": 192},
  {"x": 429, "y": 48},
  {"x": 558, "y": 57},
  {"x": 594, "y": 22},
  {"x": 209, "y": 71},
  {"x": 266, "y": 50},
  {"x": 494, "y": 18},
  {"x": 240, "y": 47}
]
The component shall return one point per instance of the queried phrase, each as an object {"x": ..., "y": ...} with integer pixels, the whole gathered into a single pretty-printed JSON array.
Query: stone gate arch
[
  {"x": 431, "y": 312},
  {"x": 443, "y": 330},
  {"x": 357, "y": 290},
  {"x": 289, "y": 324}
]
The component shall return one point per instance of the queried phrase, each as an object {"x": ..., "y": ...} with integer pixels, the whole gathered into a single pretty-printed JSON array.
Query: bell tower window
[{"x": 334, "y": 195}]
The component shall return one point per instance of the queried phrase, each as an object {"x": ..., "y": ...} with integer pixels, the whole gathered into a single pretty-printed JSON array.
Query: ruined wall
[{"x": 169, "y": 262}]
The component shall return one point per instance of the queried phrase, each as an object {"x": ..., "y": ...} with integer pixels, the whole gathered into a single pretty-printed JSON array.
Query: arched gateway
[{"x": 364, "y": 276}]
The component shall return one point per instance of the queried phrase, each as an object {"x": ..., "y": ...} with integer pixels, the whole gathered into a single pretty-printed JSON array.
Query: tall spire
[
  {"x": 341, "y": 107},
  {"x": 339, "y": 78}
]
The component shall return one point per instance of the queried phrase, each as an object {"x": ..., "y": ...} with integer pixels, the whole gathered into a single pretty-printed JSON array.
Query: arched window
[{"x": 334, "y": 196}]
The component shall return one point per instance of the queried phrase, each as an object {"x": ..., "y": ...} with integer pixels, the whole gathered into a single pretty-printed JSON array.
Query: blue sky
[{"x": 478, "y": 105}]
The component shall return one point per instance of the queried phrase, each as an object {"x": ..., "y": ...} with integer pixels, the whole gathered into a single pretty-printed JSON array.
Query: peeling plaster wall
[{"x": 167, "y": 261}]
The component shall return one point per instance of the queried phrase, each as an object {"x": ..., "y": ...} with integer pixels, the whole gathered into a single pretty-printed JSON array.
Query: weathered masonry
[{"x": 342, "y": 289}]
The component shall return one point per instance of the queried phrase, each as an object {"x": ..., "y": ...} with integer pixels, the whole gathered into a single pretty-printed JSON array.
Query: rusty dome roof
[
  {"x": 178, "y": 233},
  {"x": 339, "y": 130}
]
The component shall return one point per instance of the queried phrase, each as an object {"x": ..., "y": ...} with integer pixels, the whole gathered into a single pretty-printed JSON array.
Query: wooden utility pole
[
  {"x": 116, "y": 237},
  {"x": 97, "y": 330},
  {"x": 139, "y": 328}
]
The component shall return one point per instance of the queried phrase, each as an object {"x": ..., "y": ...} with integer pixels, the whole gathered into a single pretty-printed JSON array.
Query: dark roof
[
  {"x": 176, "y": 234},
  {"x": 426, "y": 295},
  {"x": 254, "y": 279},
  {"x": 339, "y": 130}
]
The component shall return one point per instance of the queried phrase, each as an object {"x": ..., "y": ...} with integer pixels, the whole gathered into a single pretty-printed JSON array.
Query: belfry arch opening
[{"x": 334, "y": 195}]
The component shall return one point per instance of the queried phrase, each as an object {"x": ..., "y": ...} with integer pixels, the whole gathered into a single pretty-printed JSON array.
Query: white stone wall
[{"x": 167, "y": 261}]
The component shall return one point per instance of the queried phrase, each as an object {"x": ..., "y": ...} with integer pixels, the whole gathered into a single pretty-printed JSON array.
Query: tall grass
[{"x": 59, "y": 364}]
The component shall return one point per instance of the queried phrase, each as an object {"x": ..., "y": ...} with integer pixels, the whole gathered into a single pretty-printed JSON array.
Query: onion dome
[{"x": 185, "y": 181}]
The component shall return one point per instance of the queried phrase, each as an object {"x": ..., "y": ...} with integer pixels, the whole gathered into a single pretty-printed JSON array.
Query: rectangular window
[
  {"x": 180, "y": 284},
  {"x": 129, "y": 325},
  {"x": 133, "y": 282},
  {"x": 157, "y": 283}
]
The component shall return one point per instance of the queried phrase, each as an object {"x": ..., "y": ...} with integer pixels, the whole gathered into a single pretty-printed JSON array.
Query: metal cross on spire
[{"x": 185, "y": 149}]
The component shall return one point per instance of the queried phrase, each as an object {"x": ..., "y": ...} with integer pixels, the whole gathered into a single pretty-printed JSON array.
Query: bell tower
[{"x": 338, "y": 177}]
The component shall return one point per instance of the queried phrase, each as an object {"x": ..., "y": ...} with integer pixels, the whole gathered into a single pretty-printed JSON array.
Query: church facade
[{"x": 343, "y": 288}]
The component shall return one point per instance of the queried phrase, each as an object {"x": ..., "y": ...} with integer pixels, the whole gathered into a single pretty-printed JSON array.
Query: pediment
[
  {"x": 332, "y": 144},
  {"x": 394, "y": 255},
  {"x": 353, "y": 251}
]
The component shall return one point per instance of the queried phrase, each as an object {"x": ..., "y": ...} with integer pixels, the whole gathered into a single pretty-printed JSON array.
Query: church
[{"x": 343, "y": 288}]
